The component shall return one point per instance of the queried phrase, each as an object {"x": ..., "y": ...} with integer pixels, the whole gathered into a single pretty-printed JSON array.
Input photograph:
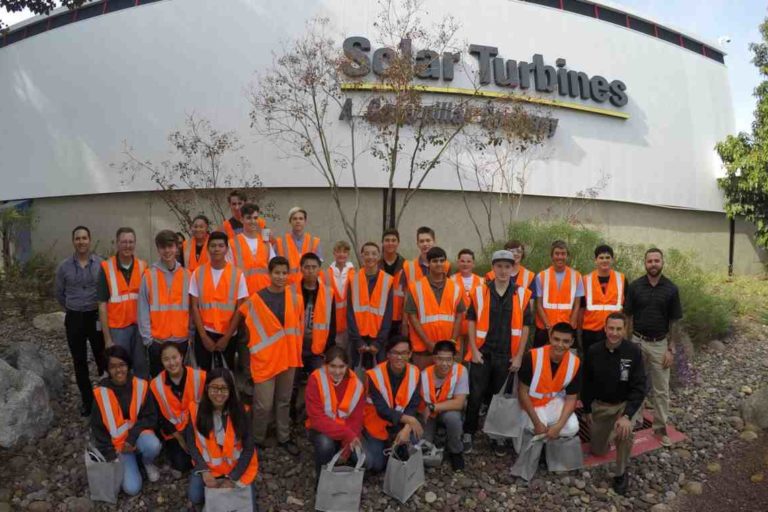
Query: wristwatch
[{"x": 431, "y": 407}]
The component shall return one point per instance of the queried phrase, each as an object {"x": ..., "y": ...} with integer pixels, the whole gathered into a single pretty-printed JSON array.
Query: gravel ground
[{"x": 49, "y": 473}]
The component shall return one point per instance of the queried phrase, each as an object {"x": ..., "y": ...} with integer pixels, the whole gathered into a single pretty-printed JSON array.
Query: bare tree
[
  {"x": 295, "y": 104},
  {"x": 497, "y": 160},
  {"x": 206, "y": 162}
]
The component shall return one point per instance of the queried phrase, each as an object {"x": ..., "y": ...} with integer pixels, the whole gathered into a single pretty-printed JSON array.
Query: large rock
[
  {"x": 50, "y": 322},
  {"x": 754, "y": 409},
  {"x": 25, "y": 356},
  {"x": 26, "y": 413}
]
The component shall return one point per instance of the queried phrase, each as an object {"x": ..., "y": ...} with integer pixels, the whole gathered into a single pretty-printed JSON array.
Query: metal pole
[{"x": 730, "y": 246}]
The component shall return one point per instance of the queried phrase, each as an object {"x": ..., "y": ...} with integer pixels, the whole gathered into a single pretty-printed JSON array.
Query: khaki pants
[
  {"x": 273, "y": 395},
  {"x": 658, "y": 378},
  {"x": 603, "y": 431}
]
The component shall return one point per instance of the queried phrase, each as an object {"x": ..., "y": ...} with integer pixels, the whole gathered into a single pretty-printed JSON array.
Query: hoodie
[{"x": 145, "y": 329}]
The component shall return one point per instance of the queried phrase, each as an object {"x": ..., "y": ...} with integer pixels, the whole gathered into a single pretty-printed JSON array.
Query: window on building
[
  {"x": 619, "y": 18},
  {"x": 116, "y": 5},
  {"x": 641, "y": 26},
  {"x": 90, "y": 11},
  {"x": 547, "y": 3},
  {"x": 692, "y": 45},
  {"x": 15, "y": 36},
  {"x": 669, "y": 36},
  {"x": 715, "y": 55},
  {"x": 579, "y": 7},
  {"x": 37, "y": 28},
  {"x": 62, "y": 19}
]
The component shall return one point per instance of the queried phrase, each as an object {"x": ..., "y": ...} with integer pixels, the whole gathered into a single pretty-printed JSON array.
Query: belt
[{"x": 649, "y": 338}]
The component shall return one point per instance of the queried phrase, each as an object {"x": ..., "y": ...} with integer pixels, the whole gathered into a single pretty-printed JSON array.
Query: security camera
[{"x": 723, "y": 40}]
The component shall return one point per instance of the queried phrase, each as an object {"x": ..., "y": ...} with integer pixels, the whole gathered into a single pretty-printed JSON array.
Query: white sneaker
[{"x": 153, "y": 474}]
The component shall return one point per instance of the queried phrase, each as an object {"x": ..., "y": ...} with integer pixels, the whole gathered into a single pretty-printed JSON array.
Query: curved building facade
[{"x": 638, "y": 108}]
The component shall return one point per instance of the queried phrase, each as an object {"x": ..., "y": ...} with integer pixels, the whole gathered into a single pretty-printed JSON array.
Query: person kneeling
[
  {"x": 334, "y": 408},
  {"x": 392, "y": 404},
  {"x": 550, "y": 379},
  {"x": 122, "y": 420},
  {"x": 175, "y": 388},
  {"x": 220, "y": 441},
  {"x": 444, "y": 389}
]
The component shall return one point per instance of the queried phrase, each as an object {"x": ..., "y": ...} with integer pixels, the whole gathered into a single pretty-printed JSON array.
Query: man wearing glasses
[{"x": 391, "y": 410}]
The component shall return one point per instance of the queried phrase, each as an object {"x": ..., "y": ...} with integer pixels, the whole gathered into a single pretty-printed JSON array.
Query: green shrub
[
  {"x": 24, "y": 286},
  {"x": 707, "y": 313}
]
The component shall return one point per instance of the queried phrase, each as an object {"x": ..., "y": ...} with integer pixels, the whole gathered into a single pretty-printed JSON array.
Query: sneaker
[
  {"x": 153, "y": 474},
  {"x": 467, "y": 440},
  {"x": 457, "y": 461},
  {"x": 290, "y": 447},
  {"x": 621, "y": 484},
  {"x": 499, "y": 447},
  {"x": 665, "y": 441}
]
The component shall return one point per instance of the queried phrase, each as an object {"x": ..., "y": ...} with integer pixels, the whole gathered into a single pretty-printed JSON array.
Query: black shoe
[
  {"x": 457, "y": 461},
  {"x": 290, "y": 447},
  {"x": 85, "y": 410},
  {"x": 499, "y": 447},
  {"x": 621, "y": 484},
  {"x": 466, "y": 439}
]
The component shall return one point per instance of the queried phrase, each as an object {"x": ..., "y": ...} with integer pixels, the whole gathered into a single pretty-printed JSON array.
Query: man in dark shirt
[
  {"x": 653, "y": 304},
  {"x": 612, "y": 395},
  {"x": 398, "y": 411},
  {"x": 76, "y": 279},
  {"x": 493, "y": 361}
]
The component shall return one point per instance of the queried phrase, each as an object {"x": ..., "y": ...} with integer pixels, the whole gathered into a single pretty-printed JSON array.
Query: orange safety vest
[
  {"x": 481, "y": 299},
  {"x": 274, "y": 347},
  {"x": 335, "y": 410},
  {"x": 379, "y": 377},
  {"x": 544, "y": 387},
  {"x": 467, "y": 298},
  {"x": 217, "y": 303},
  {"x": 398, "y": 296},
  {"x": 340, "y": 299},
  {"x": 369, "y": 309},
  {"x": 189, "y": 250},
  {"x": 436, "y": 319},
  {"x": 174, "y": 410},
  {"x": 412, "y": 271},
  {"x": 123, "y": 304},
  {"x": 447, "y": 391},
  {"x": 255, "y": 267},
  {"x": 321, "y": 315},
  {"x": 168, "y": 307},
  {"x": 524, "y": 277},
  {"x": 557, "y": 302},
  {"x": 222, "y": 459},
  {"x": 112, "y": 414},
  {"x": 601, "y": 304},
  {"x": 226, "y": 227},
  {"x": 289, "y": 250}
]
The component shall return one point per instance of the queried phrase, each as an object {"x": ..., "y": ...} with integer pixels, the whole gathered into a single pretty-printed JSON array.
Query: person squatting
[{"x": 235, "y": 333}]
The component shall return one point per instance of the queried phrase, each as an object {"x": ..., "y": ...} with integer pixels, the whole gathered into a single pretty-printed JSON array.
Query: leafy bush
[
  {"x": 707, "y": 313},
  {"x": 29, "y": 284}
]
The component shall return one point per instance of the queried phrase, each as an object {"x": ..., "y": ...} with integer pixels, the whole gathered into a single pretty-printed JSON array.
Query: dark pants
[
  {"x": 489, "y": 376},
  {"x": 325, "y": 449},
  {"x": 589, "y": 338},
  {"x": 81, "y": 329},
  {"x": 204, "y": 358},
  {"x": 540, "y": 338},
  {"x": 155, "y": 365},
  {"x": 368, "y": 360},
  {"x": 176, "y": 456}
]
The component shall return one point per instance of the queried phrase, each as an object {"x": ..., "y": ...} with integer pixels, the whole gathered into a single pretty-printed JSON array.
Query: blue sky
[{"x": 737, "y": 19}]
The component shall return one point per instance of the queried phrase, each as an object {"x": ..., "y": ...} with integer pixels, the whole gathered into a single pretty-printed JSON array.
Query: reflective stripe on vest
[
  {"x": 428, "y": 319},
  {"x": 328, "y": 301},
  {"x": 381, "y": 385},
  {"x": 591, "y": 306},
  {"x": 428, "y": 383},
  {"x": 540, "y": 356},
  {"x": 160, "y": 390},
  {"x": 240, "y": 261},
  {"x": 569, "y": 274},
  {"x": 358, "y": 307},
  {"x": 340, "y": 413},
  {"x": 115, "y": 430},
  {"x": 231, "y": 295},
  {"x": 114, "y": 292},
  {"x": 155, "y": 305},
  {"x": 267, "y": 342}
]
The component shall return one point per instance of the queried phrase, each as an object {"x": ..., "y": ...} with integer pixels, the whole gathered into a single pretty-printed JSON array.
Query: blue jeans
[
  {"x": 128, "y": 338},
  {"x": 147, "y": 446},
  {"x": 196, "y": 491}
]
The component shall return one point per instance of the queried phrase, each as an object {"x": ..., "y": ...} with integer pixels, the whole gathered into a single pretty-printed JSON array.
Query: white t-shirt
[
  {"x": 467, "y": 283},
  {"x": 242, "y": 286},
  {"x": 253, "y": 245},
  {"x": 340, "y": 276}
]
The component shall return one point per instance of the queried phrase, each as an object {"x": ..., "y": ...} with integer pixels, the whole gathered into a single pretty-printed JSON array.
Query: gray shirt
[{"x": 76, "y": 285}]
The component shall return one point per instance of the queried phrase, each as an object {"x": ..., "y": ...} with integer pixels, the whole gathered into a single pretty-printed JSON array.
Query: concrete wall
[{"x": 704, "y": 232}]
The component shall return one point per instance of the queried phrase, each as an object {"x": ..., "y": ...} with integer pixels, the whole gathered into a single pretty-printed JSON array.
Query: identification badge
[
  {"x": 98, "y": 326},
  {"x": 624, "y": 375},
  {"x": 624, "y": 366}
]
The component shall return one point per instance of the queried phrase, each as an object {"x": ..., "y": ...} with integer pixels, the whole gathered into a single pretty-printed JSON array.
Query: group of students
[{"x": 382, "y": 355}]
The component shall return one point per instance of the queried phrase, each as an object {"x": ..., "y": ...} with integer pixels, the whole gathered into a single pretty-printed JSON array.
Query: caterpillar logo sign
[{"x": 504, "y": 73}]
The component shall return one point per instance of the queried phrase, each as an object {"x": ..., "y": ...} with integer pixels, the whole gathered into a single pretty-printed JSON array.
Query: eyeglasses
[
  {"x": 118, "y": 366},
  {"x": 218, "y": 390},
  {"x": 401, "y": 355}
]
